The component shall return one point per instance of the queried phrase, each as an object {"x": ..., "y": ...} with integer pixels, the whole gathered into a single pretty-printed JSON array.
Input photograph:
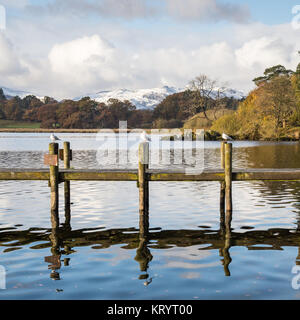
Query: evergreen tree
[
  {"x": 2, "y": 95},
  {"x": 273, "y": 72}
]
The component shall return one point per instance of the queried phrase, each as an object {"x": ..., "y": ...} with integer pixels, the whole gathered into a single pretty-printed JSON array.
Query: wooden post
[
  {"x": 223, "y": 144},
  {"x": 67, "y": 188},
  {"x": 222, "y": 190},
  {"x": 228, "y": 177},
  {"x": 67, "y": 154},
  {"x": 54, "y": 180},
  {"x": 142, "y": 176}
]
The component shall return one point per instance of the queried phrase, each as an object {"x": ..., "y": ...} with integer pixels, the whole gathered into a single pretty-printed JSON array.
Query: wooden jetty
[
  {"x": 222, "y": 239},
  {"x": 143, "y": 175}
]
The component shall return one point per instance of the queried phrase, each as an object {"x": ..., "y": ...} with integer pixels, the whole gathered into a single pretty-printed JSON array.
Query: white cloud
[
  {"x": 9, "y": 61},
  {"x": 262, "y": 52},
  {"x": 68, "y": 64},
  {"x": 82, "y": 58}
]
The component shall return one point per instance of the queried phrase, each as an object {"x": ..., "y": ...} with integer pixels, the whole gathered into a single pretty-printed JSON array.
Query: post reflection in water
[
  {"x": 64, "y": 240},
  {"x": 62, "y": 237},
  {"x": 56, "y": 239},
  {"x": 54, "y": 259},
  {"x": 143, "y": 254},
  {"x": 225, "y": 231}
]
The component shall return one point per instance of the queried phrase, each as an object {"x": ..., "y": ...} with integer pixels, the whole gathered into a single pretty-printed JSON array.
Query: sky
[{"x": 68, "y": 48}]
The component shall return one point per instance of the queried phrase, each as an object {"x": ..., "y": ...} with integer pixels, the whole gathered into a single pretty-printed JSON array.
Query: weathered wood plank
[
  {"x": 24, "y": 174},
  {"x": 266, "y": 175},
  {"x": 153, "y": 175},
  {"x": 98, "y": 175},
  {"x": 218, "y": 175},
  {"x": 182, "y": 176}
]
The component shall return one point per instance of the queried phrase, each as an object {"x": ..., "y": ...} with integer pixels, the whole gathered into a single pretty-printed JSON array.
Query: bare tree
[{"x": 208, "y": 95}]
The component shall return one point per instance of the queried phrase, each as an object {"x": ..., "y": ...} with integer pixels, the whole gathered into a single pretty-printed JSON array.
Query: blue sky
[
  {"x": 270, "y": 11},
  {"x": 66, "y": 48},
  {"x": 265, "y": 11}
]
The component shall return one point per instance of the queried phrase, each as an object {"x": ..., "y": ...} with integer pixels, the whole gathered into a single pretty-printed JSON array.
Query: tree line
[
  {"x": 270, "y": 111},
  {"x": 172, "y": 112}
]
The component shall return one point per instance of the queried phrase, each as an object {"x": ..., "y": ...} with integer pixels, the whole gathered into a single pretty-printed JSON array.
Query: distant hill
[
  {"x": 147, "y": 98},
  {"x": 142, "y": 98}
]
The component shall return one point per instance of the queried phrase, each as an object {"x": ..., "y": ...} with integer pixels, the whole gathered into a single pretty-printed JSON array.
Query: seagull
[
  {"x": 54, "y": 138},
  {"x": 226, "y": 137},
  {"x": 144, "y": 137}
]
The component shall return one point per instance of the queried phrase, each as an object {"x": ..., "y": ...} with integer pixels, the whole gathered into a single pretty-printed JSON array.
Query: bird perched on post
[
  {"x": 54, "y": 138},
  {"x": 144, "y": 137},
  {"x": 226, "y": 137}
]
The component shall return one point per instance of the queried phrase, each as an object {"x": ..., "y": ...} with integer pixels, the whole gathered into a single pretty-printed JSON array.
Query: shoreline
[
  {"x": 165, "y": 131},
  {"x": 26, "y": 130}
]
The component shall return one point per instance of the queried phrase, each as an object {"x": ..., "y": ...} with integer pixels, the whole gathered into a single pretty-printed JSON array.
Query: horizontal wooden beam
[
  {"x": 266, "y": 175},
  {"x": 181, "y": 175},
  {"x": 218, "y": 175},
  {"x": 24, "y": 174},
  {"x": 152, "y": 175},
  {"x": 98, "y": 175}
]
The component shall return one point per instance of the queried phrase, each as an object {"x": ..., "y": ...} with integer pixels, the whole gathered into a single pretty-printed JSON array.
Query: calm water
[{"x": 187, "y": 255}]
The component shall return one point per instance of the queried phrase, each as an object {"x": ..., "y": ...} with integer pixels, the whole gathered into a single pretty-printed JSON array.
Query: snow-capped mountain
[
  {"x": 236, "y": 94},
  {"x": 142, "y": 99},
  {"x": 147, "y": 98},
  {"x": 10, "y": 93}
]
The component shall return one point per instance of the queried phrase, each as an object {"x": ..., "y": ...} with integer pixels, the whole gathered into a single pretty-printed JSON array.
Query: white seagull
[
  {"x": 144, "y": 137},
  {"x": 226, "y": 137},
  {"x": 54, "y": 138}
]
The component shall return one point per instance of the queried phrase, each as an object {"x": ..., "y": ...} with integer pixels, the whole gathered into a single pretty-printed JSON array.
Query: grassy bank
[{"x": 9, "y": 124}]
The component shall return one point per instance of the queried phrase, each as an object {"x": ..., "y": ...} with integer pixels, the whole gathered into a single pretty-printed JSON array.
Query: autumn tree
[
  {"x": 49, "y": 100},
  {"x": 277, "y": 98},
  {"x": 47, "y": 116},
  {"x": 296, "y": 83},
  {"x": 31, "y": 102},
  {"x": 12, "y": 109},
  {"x": 175, "y": 106}
]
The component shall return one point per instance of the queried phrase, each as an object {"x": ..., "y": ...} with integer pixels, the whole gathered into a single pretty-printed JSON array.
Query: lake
[{"x": 100, "y": 254}]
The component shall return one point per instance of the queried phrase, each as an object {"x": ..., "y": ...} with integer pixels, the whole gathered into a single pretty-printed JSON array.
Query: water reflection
[
  {"x": 64, "y": 241},
  {"x": 112, "y": 206}
]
